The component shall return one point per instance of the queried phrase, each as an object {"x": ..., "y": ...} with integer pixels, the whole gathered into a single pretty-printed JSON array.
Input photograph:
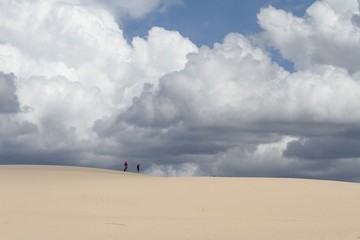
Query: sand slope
[{"x": 51, "y": 203}]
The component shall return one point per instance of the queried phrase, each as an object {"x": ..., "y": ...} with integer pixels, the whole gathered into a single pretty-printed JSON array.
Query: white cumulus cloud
[
  {"x": 72, "y": 66},
  {"x": 325, "y": 35}
]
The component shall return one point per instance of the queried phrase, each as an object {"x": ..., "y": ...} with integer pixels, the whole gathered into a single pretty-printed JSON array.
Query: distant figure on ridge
[
  {"x": 125, "y": 166},
  {"x": 138, "y": 167}
]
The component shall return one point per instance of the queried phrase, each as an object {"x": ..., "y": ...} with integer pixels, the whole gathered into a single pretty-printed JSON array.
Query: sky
[
  {"x": 208, "y": 22},
  {"x": 185, "y": 88}
]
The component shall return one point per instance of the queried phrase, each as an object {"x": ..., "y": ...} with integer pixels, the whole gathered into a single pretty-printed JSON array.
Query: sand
[{"x": 70, "y": 203}]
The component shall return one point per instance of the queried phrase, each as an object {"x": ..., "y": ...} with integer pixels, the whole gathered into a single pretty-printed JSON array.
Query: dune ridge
[{"x": 53, "y": 202}]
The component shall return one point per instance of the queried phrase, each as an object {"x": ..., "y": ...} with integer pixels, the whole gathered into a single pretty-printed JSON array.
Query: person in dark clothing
[
  {"x": 125, "y": 166},
  {"x": 138, "y": 167}
]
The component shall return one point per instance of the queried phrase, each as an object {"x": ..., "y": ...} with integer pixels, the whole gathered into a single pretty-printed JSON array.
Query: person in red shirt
[{"x": 125, "y": 166}]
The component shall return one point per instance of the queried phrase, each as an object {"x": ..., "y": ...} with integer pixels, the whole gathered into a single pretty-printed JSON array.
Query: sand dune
[{"x": 68, "y": 203}]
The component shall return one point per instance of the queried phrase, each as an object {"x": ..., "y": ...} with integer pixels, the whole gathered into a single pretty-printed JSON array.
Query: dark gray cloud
[
  {"x": 323, "y": 148},
  {"x": 356, "y": 18},
  {"x": 338, "y": 144},
  {"x": 8, "y": 99}
]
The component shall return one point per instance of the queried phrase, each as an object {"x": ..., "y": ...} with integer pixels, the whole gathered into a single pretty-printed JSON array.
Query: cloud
[
  {"x": 236, "y": 83},
  {"x": 73, "y": 67},
  {"x": 356, "y": 18},
  {"x": 326, "y": 35},
  {"x": 231, "y": 101},
  {"x": 161, "y": 44},
  {"x": 323, "y": 148},
  {"x": 8, "y": 99},
  {"x": 90, "y": 98},
  {"x": 120, "y": 8},
  {"x": 136, "y": 9}
]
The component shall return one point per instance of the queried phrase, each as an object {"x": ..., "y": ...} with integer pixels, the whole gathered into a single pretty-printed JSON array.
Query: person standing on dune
[
  {"x": 125, "y": 166},
  {"x": 138, "y": 167}
]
